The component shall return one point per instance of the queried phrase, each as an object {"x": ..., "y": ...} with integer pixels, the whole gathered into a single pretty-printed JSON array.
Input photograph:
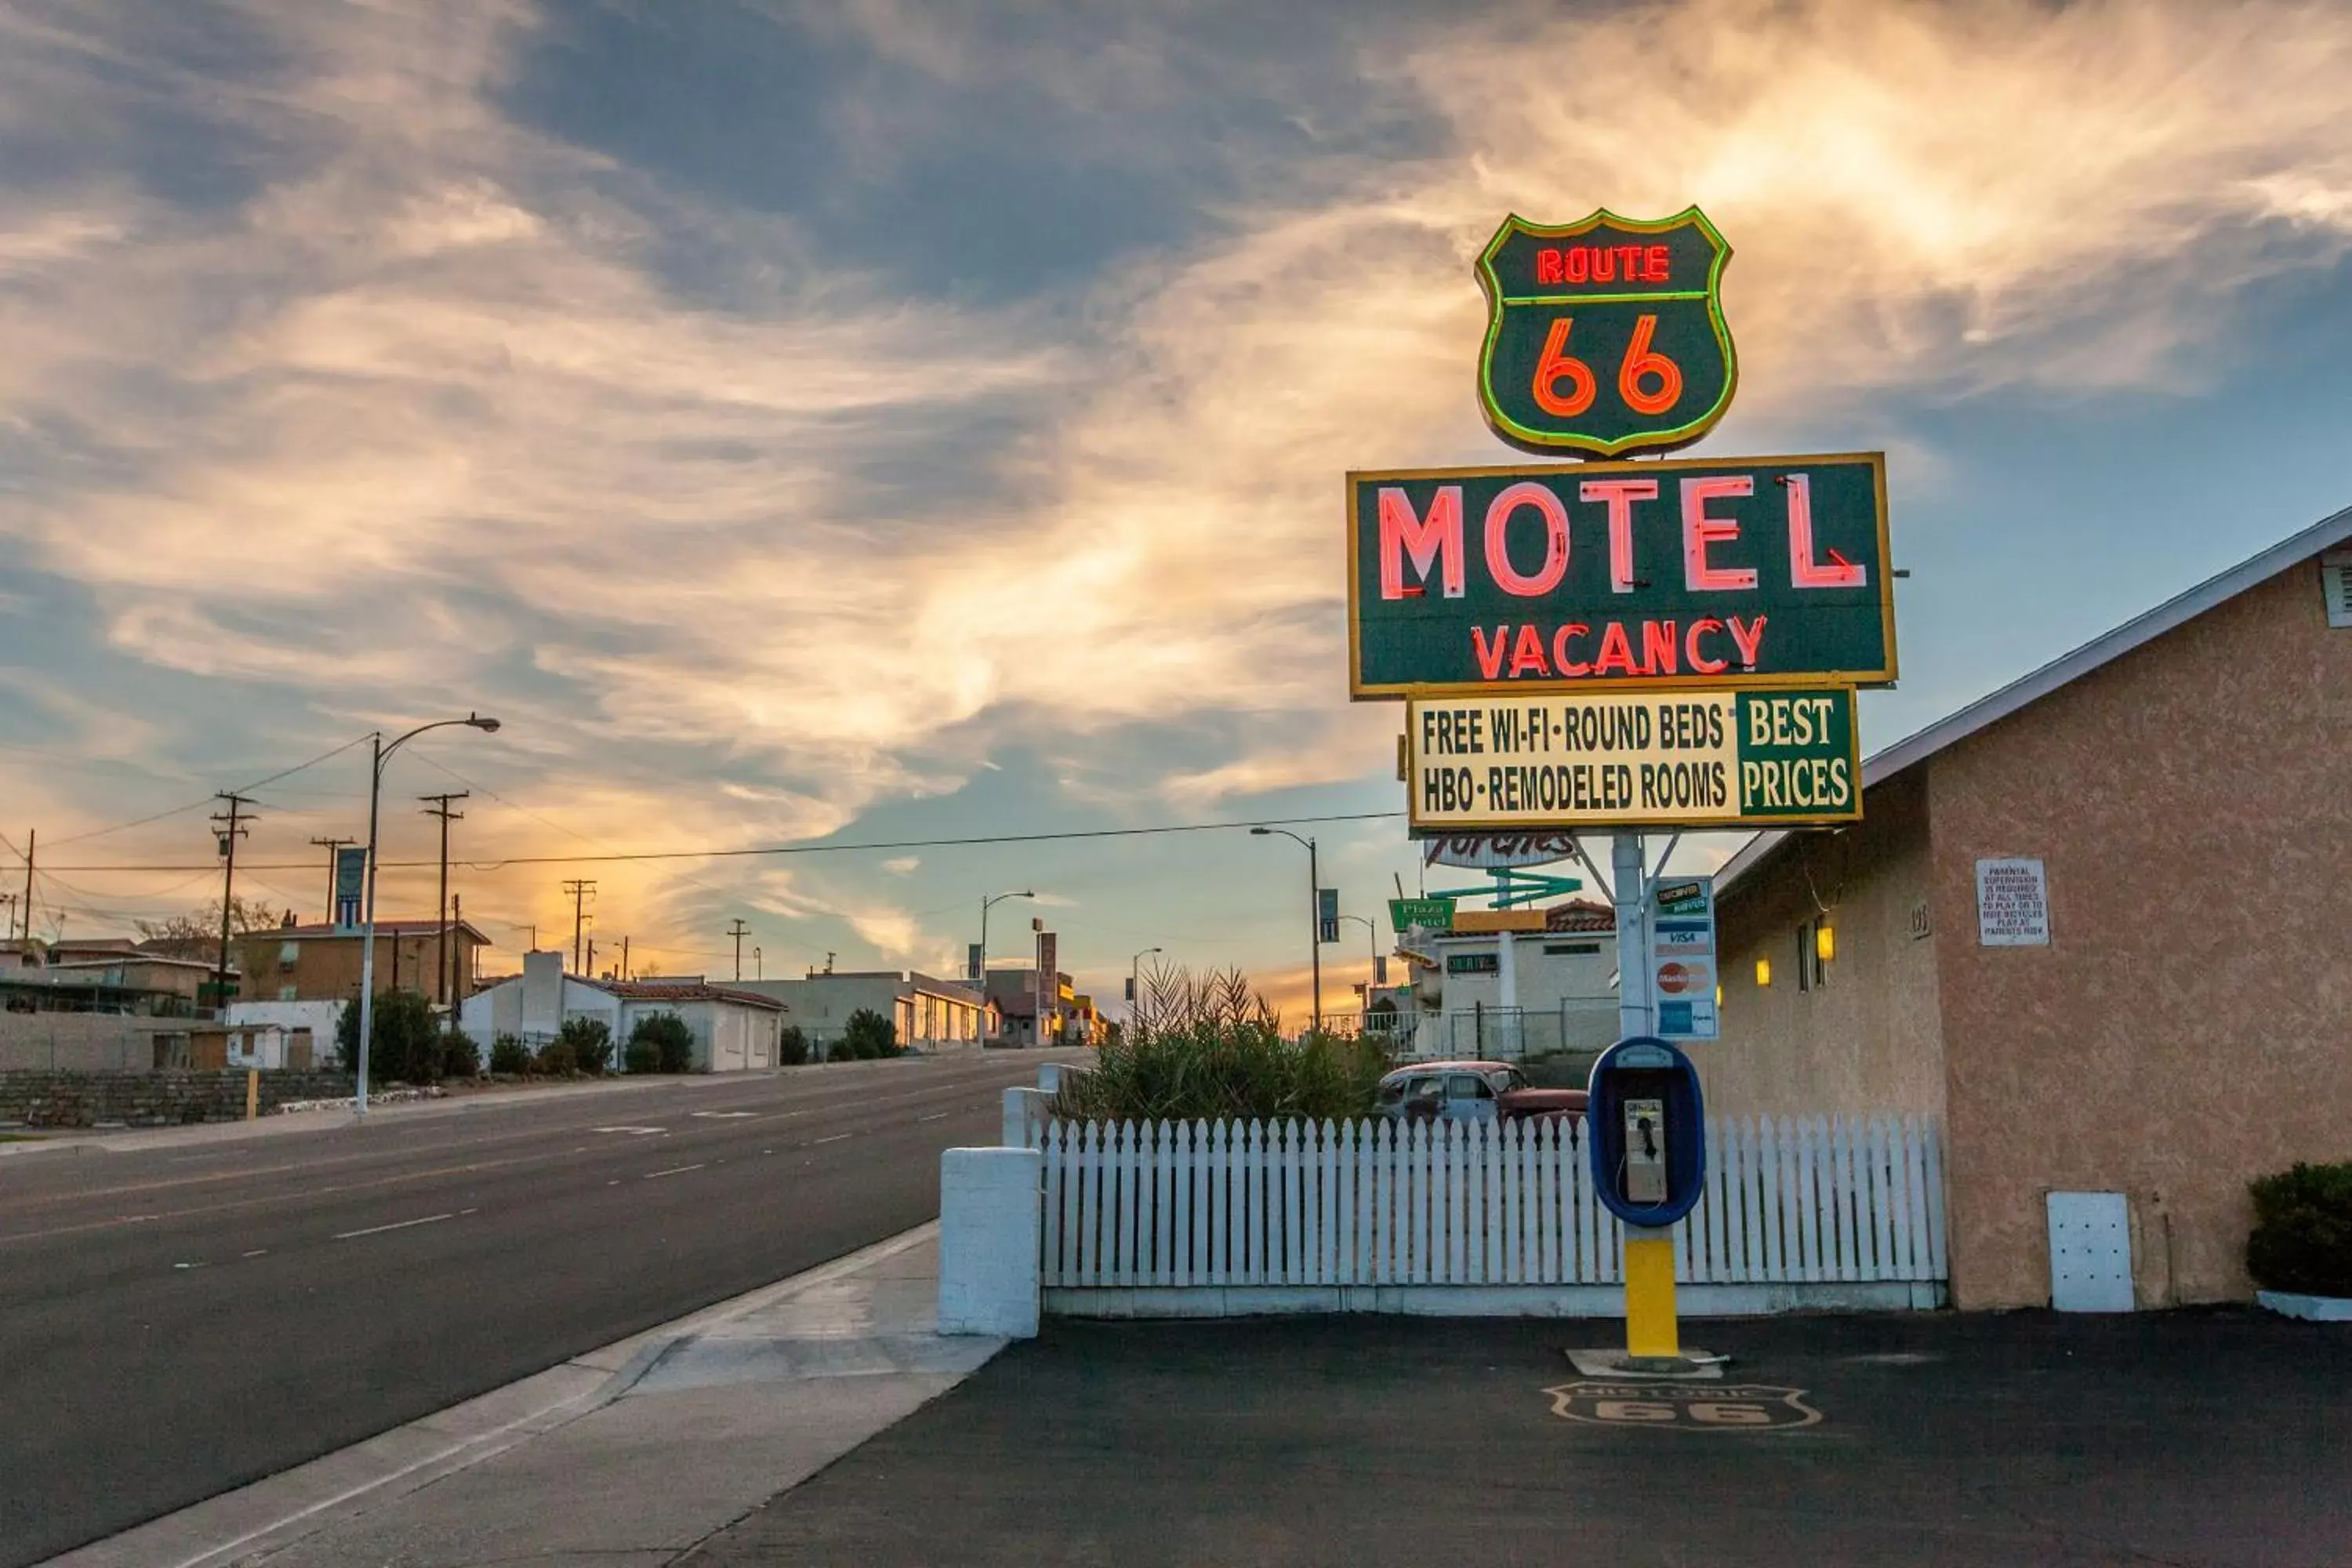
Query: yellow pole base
[
  {"x": 252, "y": 1093},
  {"x": 1650, "y": 1329}
]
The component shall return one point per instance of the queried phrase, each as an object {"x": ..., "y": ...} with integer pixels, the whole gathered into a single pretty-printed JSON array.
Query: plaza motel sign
[{"x": 1622, "y": 644}]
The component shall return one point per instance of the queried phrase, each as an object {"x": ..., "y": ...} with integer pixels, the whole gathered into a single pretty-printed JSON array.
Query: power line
[
  {"x": 974, "y": 840},
  {"x": 208, "y": 800}
]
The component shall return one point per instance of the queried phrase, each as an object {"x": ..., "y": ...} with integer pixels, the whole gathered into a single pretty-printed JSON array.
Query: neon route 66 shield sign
[{"x": 1605, "y": 335}]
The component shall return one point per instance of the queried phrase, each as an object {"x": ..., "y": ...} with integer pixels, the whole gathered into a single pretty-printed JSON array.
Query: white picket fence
[{"x": 1282, "y": 1216}]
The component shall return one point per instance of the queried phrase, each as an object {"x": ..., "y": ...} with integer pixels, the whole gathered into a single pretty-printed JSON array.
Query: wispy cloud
[{"x": 410, "y": 406}]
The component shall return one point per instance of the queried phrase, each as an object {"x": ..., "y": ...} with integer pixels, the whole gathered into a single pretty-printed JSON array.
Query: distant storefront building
[
  {"x": 2098, "y": 923},
  {"x": 930, "y": 1014}
]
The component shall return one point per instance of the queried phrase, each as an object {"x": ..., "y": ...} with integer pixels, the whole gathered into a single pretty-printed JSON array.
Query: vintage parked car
[{"x": 1471, "y": 1091}]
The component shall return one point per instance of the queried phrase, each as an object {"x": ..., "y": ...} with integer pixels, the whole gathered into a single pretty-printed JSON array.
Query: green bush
[
  {"x": 555, "y": 1058},
  {"x": 591, "y": 1043},
  {"x": 406, "y": 1046},
  {"x": 2301, "y": 1239},
  {"x": 640, "y": 1055},
  {"x": 672, "y": 1041},
  {"x": 461, "y": 1057},
  {"x": 868, "y": 1037},
  {"x": 792, "y": 1047},
  {"x": 509, "y": 1055},
  {"x": 1211, "y": 1047}
]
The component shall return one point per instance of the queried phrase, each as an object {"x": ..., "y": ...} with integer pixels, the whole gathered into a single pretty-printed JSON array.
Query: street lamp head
[
  {"x": 1261, "y": 831},
  {"x": 487, "y": 726}
]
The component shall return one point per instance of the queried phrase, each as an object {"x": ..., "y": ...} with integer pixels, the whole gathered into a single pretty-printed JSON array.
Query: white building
[
  {"x": 931, "y": 1014},
  {"x": 734, "y": 1028},
  {"x": 1510, "y": 993}
]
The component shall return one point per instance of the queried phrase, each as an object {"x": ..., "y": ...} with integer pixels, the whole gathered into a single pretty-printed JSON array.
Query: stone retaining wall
[{"x": 150, "y": 1099}]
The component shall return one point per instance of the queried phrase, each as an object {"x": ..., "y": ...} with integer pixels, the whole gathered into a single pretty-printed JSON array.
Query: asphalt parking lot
[{"x": 2207, "y": 1437}]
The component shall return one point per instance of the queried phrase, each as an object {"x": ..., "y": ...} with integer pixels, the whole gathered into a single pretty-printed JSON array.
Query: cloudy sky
[{"x": 861, "y": 422}]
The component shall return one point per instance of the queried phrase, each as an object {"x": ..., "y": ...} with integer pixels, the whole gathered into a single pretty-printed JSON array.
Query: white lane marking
[
  {"x": 941, "y": 1116},
  {"x": 723, "y": 1115},
  {"x": 257, "y": 1252},
  {"x": 396, "y": 1225},
  {"x": 462, "y": 1212},
  {"x": 835, "y": 1139},
  {"x": 673, "y": 1171},
  {"x": 633, "y": 1132},
  {"x": 187, "y": 1265}
]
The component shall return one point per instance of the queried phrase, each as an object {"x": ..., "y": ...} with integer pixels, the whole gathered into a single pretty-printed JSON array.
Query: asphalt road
[
  {"x": 176, "y": 1321},
  {"x": 2217, "y": 1440}
]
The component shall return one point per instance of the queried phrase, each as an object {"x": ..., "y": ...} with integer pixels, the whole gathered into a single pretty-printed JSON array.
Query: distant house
[
  {"x": 322, "y": 962},
  {"x": 734, "y": 1028}
]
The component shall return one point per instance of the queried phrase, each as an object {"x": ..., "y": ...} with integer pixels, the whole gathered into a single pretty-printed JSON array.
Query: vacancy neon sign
[{"x": 1750, "y": 571}]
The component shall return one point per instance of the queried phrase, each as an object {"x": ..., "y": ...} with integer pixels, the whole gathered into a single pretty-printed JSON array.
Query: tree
[
  {"x": 672, "y": 1041},
  {"x": 792, "y": 1047},
  {"x": 868, "y": 1034},
  {"x": 197, "y": 935},
  {"x": 406, "y": 1047}
]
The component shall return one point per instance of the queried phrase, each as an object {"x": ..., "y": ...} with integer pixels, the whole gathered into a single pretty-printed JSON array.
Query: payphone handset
[{"x": 1646, "y": 1150}]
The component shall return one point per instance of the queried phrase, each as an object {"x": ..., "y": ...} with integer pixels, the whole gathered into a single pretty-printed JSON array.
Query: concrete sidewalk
[{"x": 629, "y": 1455}]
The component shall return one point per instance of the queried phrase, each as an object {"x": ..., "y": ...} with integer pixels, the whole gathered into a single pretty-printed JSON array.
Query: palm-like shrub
[{"x": 1209, "y": 1046}]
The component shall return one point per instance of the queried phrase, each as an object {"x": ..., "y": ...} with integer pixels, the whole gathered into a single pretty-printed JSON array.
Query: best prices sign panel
[
  {"x": 1742, "y": 572},
  {"x": 1703, "y": 759}
]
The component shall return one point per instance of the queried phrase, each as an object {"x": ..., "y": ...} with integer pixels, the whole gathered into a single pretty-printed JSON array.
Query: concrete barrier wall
[
  {"x": 150, "y": 1099},
  {"x": 988, "y": 1241},
  {"x": 85, "y": 1042}
]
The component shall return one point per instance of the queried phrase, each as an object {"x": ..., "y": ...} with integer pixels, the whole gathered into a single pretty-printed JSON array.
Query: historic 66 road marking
[{"x": 1704, "y": 1407}]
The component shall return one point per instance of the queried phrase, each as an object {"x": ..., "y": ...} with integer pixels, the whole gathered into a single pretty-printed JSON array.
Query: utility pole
[
  {"x": 581, "y": 891},
  {"x": 30, "y": 835},
  {"x": 228, "y": 824},
  {"x": 590, "y": 972},
  {"x": 438, "y": 805},
  {"x": 331, "y": 846},
  {"x": 625, "y": 957},
  {"x": 456, "y": 961},
  {"x": 738, "y": 930}
]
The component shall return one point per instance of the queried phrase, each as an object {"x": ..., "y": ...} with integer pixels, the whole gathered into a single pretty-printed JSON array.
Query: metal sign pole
[{"x": 1650, "y": 1330}]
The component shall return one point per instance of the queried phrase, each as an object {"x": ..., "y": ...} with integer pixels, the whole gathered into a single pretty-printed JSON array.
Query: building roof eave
[{"x": 2036, "y": 684}]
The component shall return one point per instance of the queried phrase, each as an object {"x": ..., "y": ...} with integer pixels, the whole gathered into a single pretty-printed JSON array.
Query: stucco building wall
[
  {"x": 1869, "y": 1038},
  {"x": 2189, "y": 1025}
]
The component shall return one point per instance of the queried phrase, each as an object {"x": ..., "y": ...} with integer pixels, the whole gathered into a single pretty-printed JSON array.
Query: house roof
[
  {"x": 692, "y": 991},
  {"x": 2031, "y": 688},
  {"x": 119, "y": 960},
  {"x": 383, "y": 928}
]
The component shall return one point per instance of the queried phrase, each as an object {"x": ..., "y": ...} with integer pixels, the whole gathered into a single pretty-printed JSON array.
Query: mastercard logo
[{"x": 1674, "y": 979}]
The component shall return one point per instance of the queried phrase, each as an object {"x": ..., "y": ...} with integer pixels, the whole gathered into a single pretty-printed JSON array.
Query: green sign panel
[
  {"x": 1606, "y": 335},
  {"x": 1742, "y": 572},
  {"x": 1435, "y": 914}
]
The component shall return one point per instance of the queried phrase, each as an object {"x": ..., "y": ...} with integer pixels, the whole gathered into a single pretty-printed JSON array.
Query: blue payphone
[{"x": 1645, "y": 1126}]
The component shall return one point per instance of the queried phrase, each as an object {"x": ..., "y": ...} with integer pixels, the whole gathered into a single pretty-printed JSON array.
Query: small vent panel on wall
[
  {"x": 2090, "y": 1252},
  {"x": 2335, "y": 585}
]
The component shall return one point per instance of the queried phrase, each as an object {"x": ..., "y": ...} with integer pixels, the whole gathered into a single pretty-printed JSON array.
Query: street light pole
[
  {"x": 1314, "y": 914},
  {"x": 985, "y": 905},
  {"x": 380, "y": 754},
  {"x": 1135, "y": 981},
  {"x": 1371, "y": 951}
]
